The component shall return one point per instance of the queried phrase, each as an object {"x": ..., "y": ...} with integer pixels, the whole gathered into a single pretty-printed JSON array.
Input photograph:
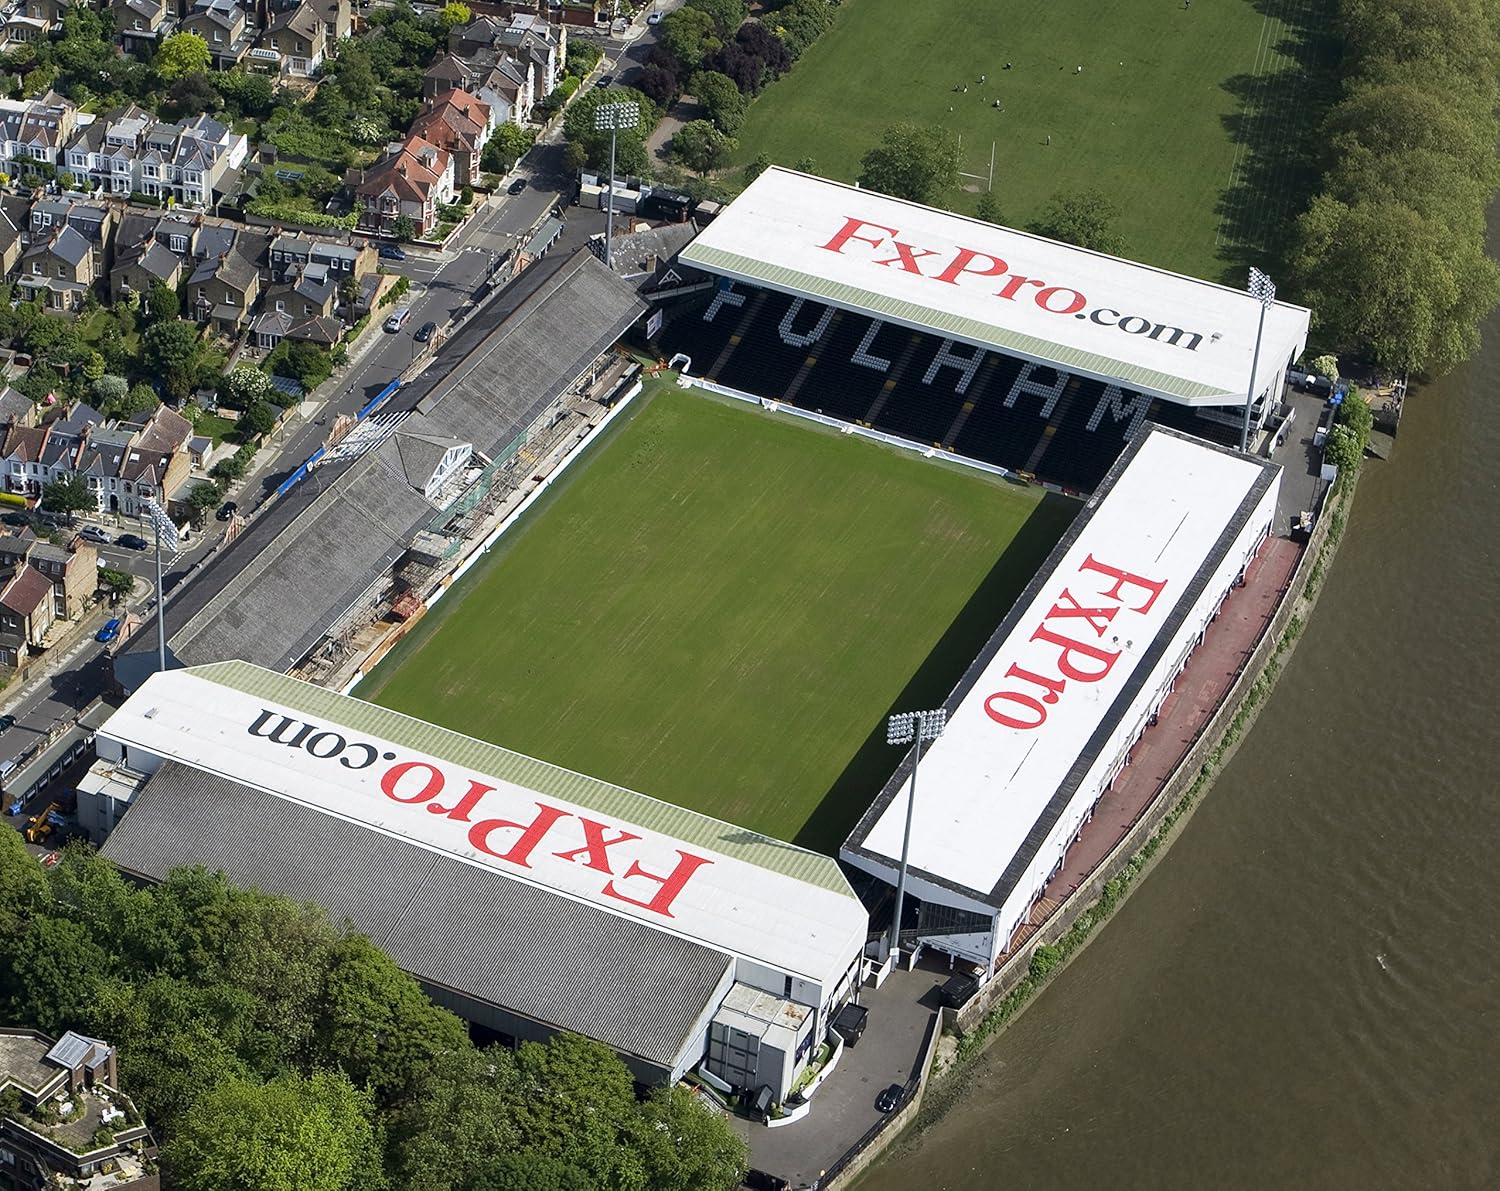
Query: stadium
[{"x": 717, "y": 606}]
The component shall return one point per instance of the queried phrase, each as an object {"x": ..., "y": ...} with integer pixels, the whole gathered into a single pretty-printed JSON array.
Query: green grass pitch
[
  {"x": 717, "y": 606},
  {"x": 1147, "y": 122}
]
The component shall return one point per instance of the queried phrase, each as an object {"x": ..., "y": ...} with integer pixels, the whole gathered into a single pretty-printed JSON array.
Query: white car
[
  {"x": 654, "y": 19},
  {"x": 397, "y": 320}
]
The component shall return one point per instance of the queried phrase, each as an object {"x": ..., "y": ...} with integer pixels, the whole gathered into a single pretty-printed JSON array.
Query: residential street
[{"x": 443, "y": 284}]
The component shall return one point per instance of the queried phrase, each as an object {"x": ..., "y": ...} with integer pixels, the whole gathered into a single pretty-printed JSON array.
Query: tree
[
  {"x": 140, "y": 398},
  {"x": 257, "y": 420},
  {"x": 701, "y": 147},
  {"x": 1381, "y": 277},
  {"x": 721, "y": 99},
  {"x": 293, "y": 1133},
  {"x": 988, "y": 209},
  {"x": 118, "y": 583},
  {"x": 684, "y": 1144},
  {"x": 1342, "y": 449},
  {"x": 755, "y": 169},
  {"x": 201, "y": 499},
  {"x": 182, "y": 54},
  {"x": 67, "y": 495},
  {"x": 53, "y": 970},
  {"x": 108, "y": 390},
  {"x": 454, "y": 14},
  {"x": 23, "y": 887},
  {"x": 1085, "y": 219},
  {"x": 170, "y": 344},
  {"x": 911, "y": 162},
  {"x": 356, "y": 76},
  {"x": 690, "y": 36},
  {"x": 404, "y": 228},
  {"x": 727, "y": 15},
  {"x": 509, "y": 144},
  {"x": 1326, "y": 365},
  {"x": 244, "y": 386},
  {"x": 194, "y": 95},
  {"x": 163, "y": 302},
  {"x": 455, "y": 1117},
  {"x": 375, "y": 1022}
]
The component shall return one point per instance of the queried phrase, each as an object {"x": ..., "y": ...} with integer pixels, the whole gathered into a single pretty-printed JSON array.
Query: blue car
[{"x": 109, "y": 632}]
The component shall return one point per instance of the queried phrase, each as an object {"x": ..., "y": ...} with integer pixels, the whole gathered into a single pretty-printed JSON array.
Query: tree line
[
  {"x": 1390, "y": 255},
  {"x": 272, "y": 1049}
]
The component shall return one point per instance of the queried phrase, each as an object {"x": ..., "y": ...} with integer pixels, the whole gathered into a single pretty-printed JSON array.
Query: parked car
[
  {"x": 398, "y": 320},
  {"x": 517, "y": 186},
  {"x": 7, "y": 722},
  {"x": 109, "y": 632},
  {"x": 132, "y": 541},
  {"x": 888, "y": 1099},
  {"x": 605, "y": 81},
  {"x": 16, "y": 518},
  {"x": 654, "y": 19},
  {"x": 92, "y": 533},
  {"x": 426, "y": 332},
  {"x": 391, "y": 253},
  {"x": 227, "y": 510}
]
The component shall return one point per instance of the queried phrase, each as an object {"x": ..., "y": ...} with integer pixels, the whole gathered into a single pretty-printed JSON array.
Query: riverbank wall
[{"x": 1015, "y": 986}]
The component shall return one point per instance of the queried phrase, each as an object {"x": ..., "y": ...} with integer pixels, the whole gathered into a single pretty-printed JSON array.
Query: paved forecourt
[{"x": 718, "y": 605}]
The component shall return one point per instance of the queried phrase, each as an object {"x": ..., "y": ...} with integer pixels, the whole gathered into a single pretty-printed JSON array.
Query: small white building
[{"x": 1041, "y": 723}]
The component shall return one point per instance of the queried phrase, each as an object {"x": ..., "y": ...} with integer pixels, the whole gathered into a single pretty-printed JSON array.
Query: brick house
[
  {"x": 58, "y": 272},
  {"x": 411, "y": 180},
  {"x": 462, "y": 124}
]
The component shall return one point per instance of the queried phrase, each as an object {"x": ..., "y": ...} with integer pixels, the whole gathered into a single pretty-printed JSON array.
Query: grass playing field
[
  {"x": 716, "y": 607},
  {"x": 1172, "y": 102}
]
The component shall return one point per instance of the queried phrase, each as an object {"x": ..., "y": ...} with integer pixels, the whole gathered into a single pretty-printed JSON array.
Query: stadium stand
[{"x": 1065, "y": 429}]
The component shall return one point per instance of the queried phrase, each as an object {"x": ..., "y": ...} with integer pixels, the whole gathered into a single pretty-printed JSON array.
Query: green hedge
[{"x": 290, "y": 212}]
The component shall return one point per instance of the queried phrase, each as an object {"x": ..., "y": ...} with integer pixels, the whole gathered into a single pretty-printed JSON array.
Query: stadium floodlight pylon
[
  {"x": 910, "y": 727},
  {"x": 613, "y": 117},
  {"x": 166, "y": 529},
  {"x": 1263, "y": 289}
]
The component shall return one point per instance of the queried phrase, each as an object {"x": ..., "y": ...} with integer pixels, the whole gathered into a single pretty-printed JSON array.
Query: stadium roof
[
  {"x": 991, "y": 790},
  {"x": 535, "y": 823},
  {"x": 455, "y": 925},
  {"x": 310, "y": 554},
  {"x": 1146, "y": 329}
]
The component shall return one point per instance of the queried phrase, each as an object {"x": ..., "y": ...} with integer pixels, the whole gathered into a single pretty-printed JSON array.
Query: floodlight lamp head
[
  {"x": 899, "y": 728},
  {"x": 616, "y": 116},
  {"x": 1262, "y": 287}
]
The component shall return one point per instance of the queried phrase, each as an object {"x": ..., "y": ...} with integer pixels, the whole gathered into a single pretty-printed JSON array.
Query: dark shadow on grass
[
  {"x": 874, "y": 761},
  {"x": 1277, "y": 130}
]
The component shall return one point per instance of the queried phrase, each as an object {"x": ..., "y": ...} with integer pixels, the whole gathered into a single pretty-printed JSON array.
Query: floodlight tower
[
  {"x": 612, "y": 117},
  {"x": 1263, "y": 289},
  {"x": 166, "y": 529},
  {"x": 910, "y": 727}
]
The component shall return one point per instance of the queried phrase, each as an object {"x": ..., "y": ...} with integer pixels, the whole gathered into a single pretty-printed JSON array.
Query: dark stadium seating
[{"x": 997, "y": 408}]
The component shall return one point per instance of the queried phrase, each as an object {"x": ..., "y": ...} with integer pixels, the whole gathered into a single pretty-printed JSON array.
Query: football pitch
[
  {"x": 1158, "y": 119},
  {"x": 716, "y": 606}
]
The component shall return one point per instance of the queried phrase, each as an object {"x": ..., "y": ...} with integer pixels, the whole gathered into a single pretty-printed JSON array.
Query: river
[{"x": 1306, "y": 992}]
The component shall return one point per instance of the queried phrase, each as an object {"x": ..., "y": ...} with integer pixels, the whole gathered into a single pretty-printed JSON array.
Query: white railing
[{"x": 926, "y": 450}]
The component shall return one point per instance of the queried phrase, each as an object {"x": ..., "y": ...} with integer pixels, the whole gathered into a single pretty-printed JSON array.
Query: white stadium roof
[
  {"x": 1013, "y": 743},
  {"x": 1145, "y": 329},
  {"x": 574, "y": 836}
]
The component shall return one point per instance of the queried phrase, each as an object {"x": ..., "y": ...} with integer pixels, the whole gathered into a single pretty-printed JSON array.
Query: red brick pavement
[{"x": 1199, "y": 690}]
